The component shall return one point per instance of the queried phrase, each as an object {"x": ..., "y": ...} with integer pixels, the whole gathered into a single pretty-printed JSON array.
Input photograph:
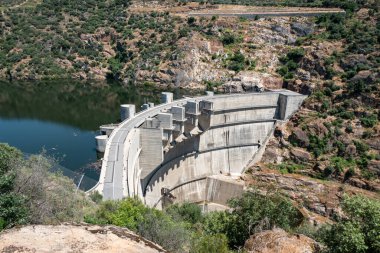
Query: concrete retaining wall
[
  {"x": 212, "y": 190},
  {"x": 197, "y": 165}
]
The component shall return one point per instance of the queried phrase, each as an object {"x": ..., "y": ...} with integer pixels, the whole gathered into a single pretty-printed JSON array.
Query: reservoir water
[{"x": 61, "y": 118}]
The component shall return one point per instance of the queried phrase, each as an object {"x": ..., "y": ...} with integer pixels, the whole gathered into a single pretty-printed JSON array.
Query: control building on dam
[{"x": 189, "y": 149}]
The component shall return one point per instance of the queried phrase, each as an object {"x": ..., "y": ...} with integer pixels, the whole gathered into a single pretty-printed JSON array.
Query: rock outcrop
[
  {"x": 316, "y": 199},
  {"x": 279, "y": 241},
  {"x": 74, "y": 238}
]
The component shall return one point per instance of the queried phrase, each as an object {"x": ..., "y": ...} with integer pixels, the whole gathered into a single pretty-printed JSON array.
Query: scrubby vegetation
[
  {"x": 30, "y": 194},
  {"x": 346, "y": 99},
  {"x": 182, "y": 226},
  {"x": 87, "y": 39},
  {"x": 359, "y": 231}
]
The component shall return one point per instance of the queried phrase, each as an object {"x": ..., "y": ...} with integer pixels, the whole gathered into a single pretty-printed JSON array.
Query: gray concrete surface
[{"x": 222, "y": 135}]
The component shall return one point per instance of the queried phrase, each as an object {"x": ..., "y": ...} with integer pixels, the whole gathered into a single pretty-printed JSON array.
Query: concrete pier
[
  {"x": 175, "y": 150},
  {"x": 166, "y": 97},
  {"x": 101, "y": 142},
  {"x": 127, "y": 111}
]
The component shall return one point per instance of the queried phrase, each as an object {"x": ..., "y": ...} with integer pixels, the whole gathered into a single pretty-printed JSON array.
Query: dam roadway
[
  {"x": 114, "y": 158},
  {"x": 153, "y": 144}
]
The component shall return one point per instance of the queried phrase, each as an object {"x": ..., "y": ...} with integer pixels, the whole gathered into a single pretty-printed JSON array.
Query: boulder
[
  {"x": 300, "y": 155},
  {"x": 353, "y": 60},
  {"x": 351, "y": 150},
  {"x": 300, "y": 137},
  {"x": 252, "y": 81},
  {"x": 374, "y": 143},
  {"x": 366, "y": 76},
  {"x": 318, "y": 207},
  {"x": 281, "y": 30},
  {"x": 279, "y": 241},
  {"x": 302, "y": 29},
  {"x": 318, "y": 129},
  {"x": 303, "y": 75},
  {"x": 357, "y": 182},
  {"x": 374, "y": 166}
]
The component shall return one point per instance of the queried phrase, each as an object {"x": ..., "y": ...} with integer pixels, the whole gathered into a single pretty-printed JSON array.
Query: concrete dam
[{"x": 189, "y": 149}]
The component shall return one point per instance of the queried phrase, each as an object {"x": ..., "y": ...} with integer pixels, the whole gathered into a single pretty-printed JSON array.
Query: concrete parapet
[
  {"x": 178, "y": 113},
  {"x": 206, "y": 105},
  {"x": 151, "y": 123},
  {"x": 288, "y": 104},
  {"x": 166, "y": 120},
  {"x": 101, "y": 142},
  {"x": 242, "y": 101},
  {"x": 127, "y": 111},
  {"x": 145, "y": 107},
  {"x": 107, "y": 129},
  {"x": 192, "y": 108},
  {"x": 166, "y": 97},
  {"x": 178, "y": 119}
]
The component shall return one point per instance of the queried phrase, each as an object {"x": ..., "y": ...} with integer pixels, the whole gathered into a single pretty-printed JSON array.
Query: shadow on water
[
  {"x": 84, "y": 105},
  {"x": 63, "y": 117}
]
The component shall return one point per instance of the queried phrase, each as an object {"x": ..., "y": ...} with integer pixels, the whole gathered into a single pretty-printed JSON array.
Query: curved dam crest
[{"x": 190, "y": 149}]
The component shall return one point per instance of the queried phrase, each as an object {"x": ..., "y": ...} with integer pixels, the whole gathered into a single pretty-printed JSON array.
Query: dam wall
[{"x": 191, "y": 149}]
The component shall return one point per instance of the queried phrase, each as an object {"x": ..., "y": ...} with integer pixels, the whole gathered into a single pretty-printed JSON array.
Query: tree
[
  {"x": 251, "y": 213},
  {"x": 359, "y": 231},
  {"x": 13, "y": 209},
  {"x": 129, "y": 213},
  {"x": 150, "y": 223},
  {"x": 160, "y": 228},
  {"x": 187, "y": 212}
]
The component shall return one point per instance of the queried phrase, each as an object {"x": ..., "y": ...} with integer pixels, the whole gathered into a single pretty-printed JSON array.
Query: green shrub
[
  {"x": 187, "y": 212},
  {"x": 283, "y": 70},
  {"x": 229, "y": 38},
  {"x": 150, "y": 223},
  {"x": 361, "y": 147},
  {"x": 251, "y": 212},
  {"x": 317, "y": 145},
  {"x": 369, "y": 120},
  {"x": 13, "y": 206},
  {"x": 217, "y": 243},
  {"x": 236, "y": 62},
  {"x": 129, "y": 213},
  {"x": 359, "y": 230},
  {"x": 296, "y": 54},
  {"x": 289, "y": 167}
]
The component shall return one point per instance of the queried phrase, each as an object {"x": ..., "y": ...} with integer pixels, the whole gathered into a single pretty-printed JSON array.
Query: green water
[{"x": 63, "y": 117}]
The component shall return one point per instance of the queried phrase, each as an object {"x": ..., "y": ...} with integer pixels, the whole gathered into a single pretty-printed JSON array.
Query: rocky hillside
[
  {"x": 138, "y": 44},
  {"x": 141, "y": 46},
  {"x": 336, "y": 135}
]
